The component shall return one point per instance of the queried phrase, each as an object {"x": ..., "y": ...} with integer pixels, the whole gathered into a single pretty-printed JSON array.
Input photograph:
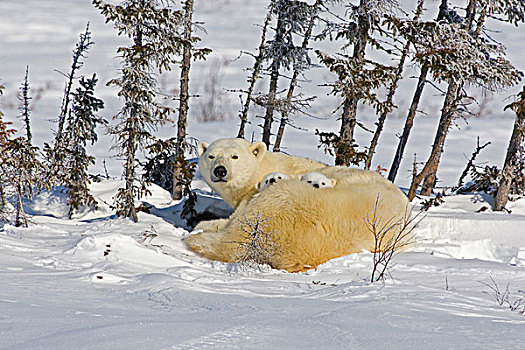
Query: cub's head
[
  {"x": 318, "y": 180},
  {"x": 230, "y": 164},
  {"x": 270, "y": 179}
]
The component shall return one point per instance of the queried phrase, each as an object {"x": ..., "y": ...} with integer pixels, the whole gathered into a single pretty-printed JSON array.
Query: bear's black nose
[
  {"x": 220, "y": 171},
  {"x": 316, "y": 185},
  {"x": 272, "y": 181}
]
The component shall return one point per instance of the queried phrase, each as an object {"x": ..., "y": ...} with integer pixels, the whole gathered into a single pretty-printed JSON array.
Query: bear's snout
[{"x": 220, "y": 172}]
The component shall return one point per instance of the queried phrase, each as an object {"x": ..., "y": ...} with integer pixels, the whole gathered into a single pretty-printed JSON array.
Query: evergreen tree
[
  {"x": 156, "y": 34},
  {"x": 288, "y": 104},
  {"x": 470, "y": 59},
  {"x": 389, "y": 102},
  {"x": 445, "y": 15},
  {"x": 358, "y": 78},
  {"x": 25, "y": 111},
  {"x": 256, "y": 70},
  {"x": 189, "y": 51},
  {"x": 55, "y": 154},
  {"x": 514, "y": 166},
  {"x": 5, "y": 134},
  {"x": 80, "y": 130},
  {"x": 23, "y": 172},
  {"x": 293, "y": 19}
]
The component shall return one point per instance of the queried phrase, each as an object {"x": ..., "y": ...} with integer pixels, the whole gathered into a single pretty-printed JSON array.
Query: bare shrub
[
  {"x": 259, "y": 247},
  {"x": 503, "y": 297},
  {"x": 390, "y": 237}
]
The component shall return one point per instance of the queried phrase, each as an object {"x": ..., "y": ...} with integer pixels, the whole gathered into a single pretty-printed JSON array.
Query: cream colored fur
[{"x": 309, "y": 226}]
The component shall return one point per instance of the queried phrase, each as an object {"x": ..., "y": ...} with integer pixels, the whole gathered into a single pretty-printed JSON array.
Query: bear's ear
[
  {"x": 202, "y": 147},
  {"x": 334, "y": 181},
  {"x": 258, "y": 150}
]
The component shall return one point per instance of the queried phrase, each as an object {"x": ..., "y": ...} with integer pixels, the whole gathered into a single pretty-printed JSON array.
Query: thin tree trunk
[
  {"x": 409, "y": 122},
  {"x": 349, "y": 116},
  {"x": 293, "y": 83},
  {"x": 511, "y": 160},
  {"x": 184, "y": 97},
  {"x": 82, "y": 47},
  {"x": 131, "y": 150},
  {"x": 430, "y": 168},
  {"x": 255, "y": 75},
  {"x": 268, "y": 117},
  {"x": 25, "y": 108},
  {"x": 429, "y": 173},
  {"x": 391, "y": 91},
  {"x": 272, "y": 91}
]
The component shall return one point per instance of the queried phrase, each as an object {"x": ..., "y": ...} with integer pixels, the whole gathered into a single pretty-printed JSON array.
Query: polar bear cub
[
  {"x": 318, "y": 180},
  {"x": 270, "y": 179},
  {"x": 313, "y": 178}
]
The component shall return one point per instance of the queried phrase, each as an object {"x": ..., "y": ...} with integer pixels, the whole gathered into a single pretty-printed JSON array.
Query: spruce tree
[
  {"x": 293, "y": 19},
  {"x": 80, "y": 130},
  {"x": 358, "y": 78},
  {"x": 513, "y": 171},
  {"x": 157, "y": 41},
  {"x": 25, "y": 111},
  {"x": 5, "y": 133},
  {"x": 389, "y": 102},
  {"x": 470, "y": 59},
  {"x": 445, "y": 15},
  {"x": 256, "y": 70},
  {"x": 189, "y": 52},
  {"x": 23, "y": 172},
  {"x": 55, "y": 154}
]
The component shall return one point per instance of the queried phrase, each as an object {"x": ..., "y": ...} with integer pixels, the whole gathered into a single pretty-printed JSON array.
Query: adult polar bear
[{"x": 309, "y": 226}]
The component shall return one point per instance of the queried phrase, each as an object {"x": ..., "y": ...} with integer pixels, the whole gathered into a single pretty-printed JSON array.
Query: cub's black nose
[
  {"x": 272, "y": 180},
  {"x": 316, "y": 185},
  {"x": 220, "y": 171}
]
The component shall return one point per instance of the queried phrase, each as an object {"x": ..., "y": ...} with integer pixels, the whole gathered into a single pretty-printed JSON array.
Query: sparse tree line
[{"x": 453, "y": 52}]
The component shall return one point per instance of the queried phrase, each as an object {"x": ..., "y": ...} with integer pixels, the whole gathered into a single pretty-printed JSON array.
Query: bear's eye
[
  {"x": 322, "y": 183},
  {"x": 309, "y": 182},
  {"x": 211, "y": 157},
  {"x": 235, "y": 157}
]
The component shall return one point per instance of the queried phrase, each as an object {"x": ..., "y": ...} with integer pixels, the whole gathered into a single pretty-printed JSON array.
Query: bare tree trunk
[
  {"x": 447, "y": 114},
  {"x": 293, "y": 83},
  {"x": 429, "y": 173},
  {"x": 184, "y": 97},
  {"x": 272, "y": 91},
  {"x": 131, "y": 150},
  {"x": 349, "y": 116},
  {"x": 511, "y": 160},
  {"x": 81, "y": 48},
  {"x": 409, "y": 122},
  {"x": 348, "y": 123},
  {"x": 255, "y": 74},
  {"x": 268, "y": 117},
  {"x": 391, "y": 91}
]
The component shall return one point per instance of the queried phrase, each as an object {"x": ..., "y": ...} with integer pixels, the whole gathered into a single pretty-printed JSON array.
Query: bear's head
[{"x": 231, "y": 166}]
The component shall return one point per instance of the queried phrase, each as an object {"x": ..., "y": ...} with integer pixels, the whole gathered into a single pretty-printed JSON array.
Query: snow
[{"x": 102, "y": 282}]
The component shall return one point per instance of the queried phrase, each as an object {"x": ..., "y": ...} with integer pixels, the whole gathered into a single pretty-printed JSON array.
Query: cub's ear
[
  {"x": 258, "y": 150},
  {"x": 334, "y": 181},
  {"x": 202, "y": 147}
]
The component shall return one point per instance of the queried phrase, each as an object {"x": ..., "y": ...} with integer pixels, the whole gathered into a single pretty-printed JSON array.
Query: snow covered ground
[{"x": 101, "y": 282}]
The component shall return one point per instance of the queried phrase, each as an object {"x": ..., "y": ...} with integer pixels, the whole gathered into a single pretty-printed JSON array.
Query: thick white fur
[{"x": 308, "y": 226}]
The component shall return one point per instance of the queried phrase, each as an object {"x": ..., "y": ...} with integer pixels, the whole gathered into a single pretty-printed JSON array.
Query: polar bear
[
  {"x": 308, "y": 226},
  {"x": 317, "y": 180},
  {"x": 270, "y": 179}
]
